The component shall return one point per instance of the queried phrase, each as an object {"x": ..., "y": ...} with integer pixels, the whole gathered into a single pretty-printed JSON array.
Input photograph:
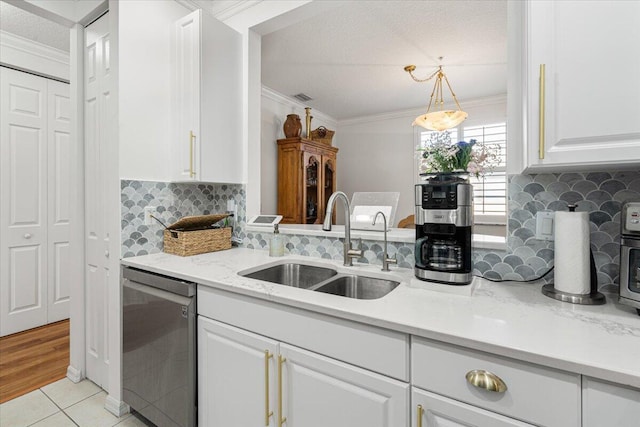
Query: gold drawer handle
[
  {"x": 281, "y": 419},
  {"x": 267, "y": 413},
  {"x": 541, "y": 113},
  {"x": 486, "y": 381},
  {"x": 192, "y": 172},
  {"x": 419, "y": 416}
]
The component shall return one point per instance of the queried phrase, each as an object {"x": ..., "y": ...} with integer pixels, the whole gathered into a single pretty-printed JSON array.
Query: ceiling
[
  {"x": 25, "y": 24},
  {"x": 350, "y": 59}
]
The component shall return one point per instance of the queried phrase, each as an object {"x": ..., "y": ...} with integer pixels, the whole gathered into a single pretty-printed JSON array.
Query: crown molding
[
  {"x": 232, "y": 7},
  {"x": 190, "y": 4},
  {"x": 13, "y": 41},
  {"x": 221, "y": 9},
  {"x": 473, "y": 103},
  {"x": 289, "y": 101},
  {"x": 30, "y": 56}
]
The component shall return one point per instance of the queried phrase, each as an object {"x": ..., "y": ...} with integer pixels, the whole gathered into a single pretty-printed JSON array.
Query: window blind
[{"x": 490, "y": 191}]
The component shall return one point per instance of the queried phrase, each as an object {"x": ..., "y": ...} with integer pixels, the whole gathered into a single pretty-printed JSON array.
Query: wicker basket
[
  {"x": 322, "y": 134},
  {"x": 194, "y": 235}
]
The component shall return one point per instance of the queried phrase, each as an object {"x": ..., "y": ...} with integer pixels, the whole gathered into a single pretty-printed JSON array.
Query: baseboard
[
  {"x": 116, "y": 407},
  {"x": 75, "y": 375}
]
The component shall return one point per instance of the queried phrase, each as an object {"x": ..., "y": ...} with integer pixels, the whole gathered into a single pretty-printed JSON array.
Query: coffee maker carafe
[{"x": 444, "y": 218}]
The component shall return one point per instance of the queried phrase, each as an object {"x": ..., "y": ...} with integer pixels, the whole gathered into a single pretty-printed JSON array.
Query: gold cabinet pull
[
  {"x": 281, "y": 419},
  {"x": 486, "y": 381},
  {"x": 419, "y": 416},
  {"x": 192, "y": 173},
  {"x": 267, "y": 412},
  {"x": 541, "y": 114}
]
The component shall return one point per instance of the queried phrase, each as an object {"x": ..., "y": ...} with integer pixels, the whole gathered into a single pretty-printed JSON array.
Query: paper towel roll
[{"x": 571, "y": 260}]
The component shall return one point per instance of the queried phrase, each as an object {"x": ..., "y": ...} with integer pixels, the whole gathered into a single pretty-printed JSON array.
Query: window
[{"x": 489, "y": 191}]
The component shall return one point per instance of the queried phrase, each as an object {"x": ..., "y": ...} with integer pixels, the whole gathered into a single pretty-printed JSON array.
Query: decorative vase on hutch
[{"x": 292, "y": 126}]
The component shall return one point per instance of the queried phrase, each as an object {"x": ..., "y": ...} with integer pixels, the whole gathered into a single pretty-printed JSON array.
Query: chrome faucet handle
[
  {"x": 386, "y": 261},
  {"x": 357, "y": 251}
]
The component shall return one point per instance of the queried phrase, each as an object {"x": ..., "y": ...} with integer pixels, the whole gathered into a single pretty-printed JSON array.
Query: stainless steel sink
[
  {"x": 292, "y": 274},
  {"x": 358, "y": 287}
]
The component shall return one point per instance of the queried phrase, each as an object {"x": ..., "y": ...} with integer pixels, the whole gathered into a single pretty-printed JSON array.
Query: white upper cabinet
[
  {"x": 206, "y": 96},
  {"x": 581, "y": 62}
]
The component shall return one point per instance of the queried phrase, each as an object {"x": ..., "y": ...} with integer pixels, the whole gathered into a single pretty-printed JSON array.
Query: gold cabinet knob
[{"x": 486, "y": 381}]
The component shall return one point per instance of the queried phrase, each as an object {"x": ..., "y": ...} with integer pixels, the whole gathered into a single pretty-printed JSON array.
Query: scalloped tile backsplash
[{"x": 599, "y": 193}]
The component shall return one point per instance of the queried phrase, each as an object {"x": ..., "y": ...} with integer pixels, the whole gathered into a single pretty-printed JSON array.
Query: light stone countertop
[{"x": 508, "y": 319}]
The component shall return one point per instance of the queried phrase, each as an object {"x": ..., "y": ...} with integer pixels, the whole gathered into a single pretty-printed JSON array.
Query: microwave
[{"x": 630, "y": 255}]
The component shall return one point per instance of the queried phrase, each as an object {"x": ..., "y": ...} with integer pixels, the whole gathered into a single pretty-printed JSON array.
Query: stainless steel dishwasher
[{"x": 159, "y": 347}]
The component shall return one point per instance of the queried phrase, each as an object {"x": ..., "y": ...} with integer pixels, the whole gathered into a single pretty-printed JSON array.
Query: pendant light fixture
[{"x": 440, "y": 119}]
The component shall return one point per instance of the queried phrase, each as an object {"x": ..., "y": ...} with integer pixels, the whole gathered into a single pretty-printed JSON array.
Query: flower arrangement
[{"x": 440, "y": 155}]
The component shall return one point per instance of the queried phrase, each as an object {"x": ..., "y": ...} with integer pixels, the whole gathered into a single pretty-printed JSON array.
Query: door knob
[{"x": 27, "y": 236}]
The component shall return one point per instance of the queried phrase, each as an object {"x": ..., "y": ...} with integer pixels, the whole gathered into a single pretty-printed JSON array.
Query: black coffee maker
[{"x": 444, "y": 218}]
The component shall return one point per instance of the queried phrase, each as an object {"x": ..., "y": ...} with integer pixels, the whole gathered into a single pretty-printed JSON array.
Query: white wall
[
  {"x": 274, "y": 110},
  {"x": 145, "y": 92},
  {"x": 377, "y": 153}
]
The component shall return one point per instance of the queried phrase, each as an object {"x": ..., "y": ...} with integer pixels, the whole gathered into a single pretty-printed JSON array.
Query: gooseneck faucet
[
  {"x": 385, "y": 257},
  {"x": 349, "y": 253}
]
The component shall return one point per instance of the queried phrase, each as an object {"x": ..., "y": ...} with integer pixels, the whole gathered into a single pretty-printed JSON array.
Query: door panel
[
  {"x": 98, "y": 191},
  {"x": 25, "y": 283},
  {"x": 23, "y": 193},
  {"x": 438, "y": 411},
  {"x": 186, "y": 78},
  {"x": 357, "y": 397},
  {"x": 232, "y": 376},
  {"x": 60, "y": 152}
]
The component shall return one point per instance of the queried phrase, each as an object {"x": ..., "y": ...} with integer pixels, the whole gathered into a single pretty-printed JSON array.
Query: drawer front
[
  {"x": 534, "y": 394},
  {"x": 379, "y": 350},
  {"x": 607, "y": 404},
  {"x": 432, "y": 410}
]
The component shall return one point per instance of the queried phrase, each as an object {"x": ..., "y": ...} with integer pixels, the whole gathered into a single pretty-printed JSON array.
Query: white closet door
[
  {"x": 96, "y": 110},
  {"x": 60, "y": 200},
  {"x": 23, "y": 192}
]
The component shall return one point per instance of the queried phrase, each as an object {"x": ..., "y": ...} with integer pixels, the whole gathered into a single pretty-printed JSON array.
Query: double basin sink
[{"x": 323, "y": 279}]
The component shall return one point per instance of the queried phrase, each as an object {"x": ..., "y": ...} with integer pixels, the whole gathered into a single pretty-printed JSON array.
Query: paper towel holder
[{"x": 592, "y": 298}]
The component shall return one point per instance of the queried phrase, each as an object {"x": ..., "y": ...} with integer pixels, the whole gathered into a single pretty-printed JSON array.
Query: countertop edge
[{"x": 619, "y": 376}]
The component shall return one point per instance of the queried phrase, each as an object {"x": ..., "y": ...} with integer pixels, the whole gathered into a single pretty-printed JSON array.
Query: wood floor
[{"x": 32, "y": 359}]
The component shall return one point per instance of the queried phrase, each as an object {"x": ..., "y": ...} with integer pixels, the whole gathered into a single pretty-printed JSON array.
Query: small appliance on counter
[
  {"x": 575, "y": 275},
  {"x": 444, "y": 218},
  {"x": 630, "y": 255}
]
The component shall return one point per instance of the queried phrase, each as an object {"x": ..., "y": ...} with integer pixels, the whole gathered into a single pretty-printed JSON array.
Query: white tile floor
[{"x": 63, "y": 404}]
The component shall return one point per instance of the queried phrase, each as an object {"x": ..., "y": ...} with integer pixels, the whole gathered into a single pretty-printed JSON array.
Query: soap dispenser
[{"x": 276, "y": 248}]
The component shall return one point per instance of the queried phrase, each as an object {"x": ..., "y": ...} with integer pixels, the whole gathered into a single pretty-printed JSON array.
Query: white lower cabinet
[
  {"x": 432, "y": 410},
  {"x": 262, "y": 363},
  {"x": 319, "y": 392},
  {"x": 249, "y": 380},
  {"x": 611, "y": 405},
  {"x": 236, "y": 376},
  {"x": 519, "y": 390}
]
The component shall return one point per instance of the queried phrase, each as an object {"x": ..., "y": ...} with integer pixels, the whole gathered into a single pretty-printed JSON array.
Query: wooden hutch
[{"x": 306, "y": 179}]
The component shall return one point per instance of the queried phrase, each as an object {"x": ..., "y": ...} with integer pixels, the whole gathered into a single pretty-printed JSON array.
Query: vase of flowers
[{"x": 442, "y": 160}]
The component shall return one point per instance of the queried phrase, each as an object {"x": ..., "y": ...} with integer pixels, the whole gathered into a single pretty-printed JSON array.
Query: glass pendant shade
[{"x": 440, "y": 120}]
